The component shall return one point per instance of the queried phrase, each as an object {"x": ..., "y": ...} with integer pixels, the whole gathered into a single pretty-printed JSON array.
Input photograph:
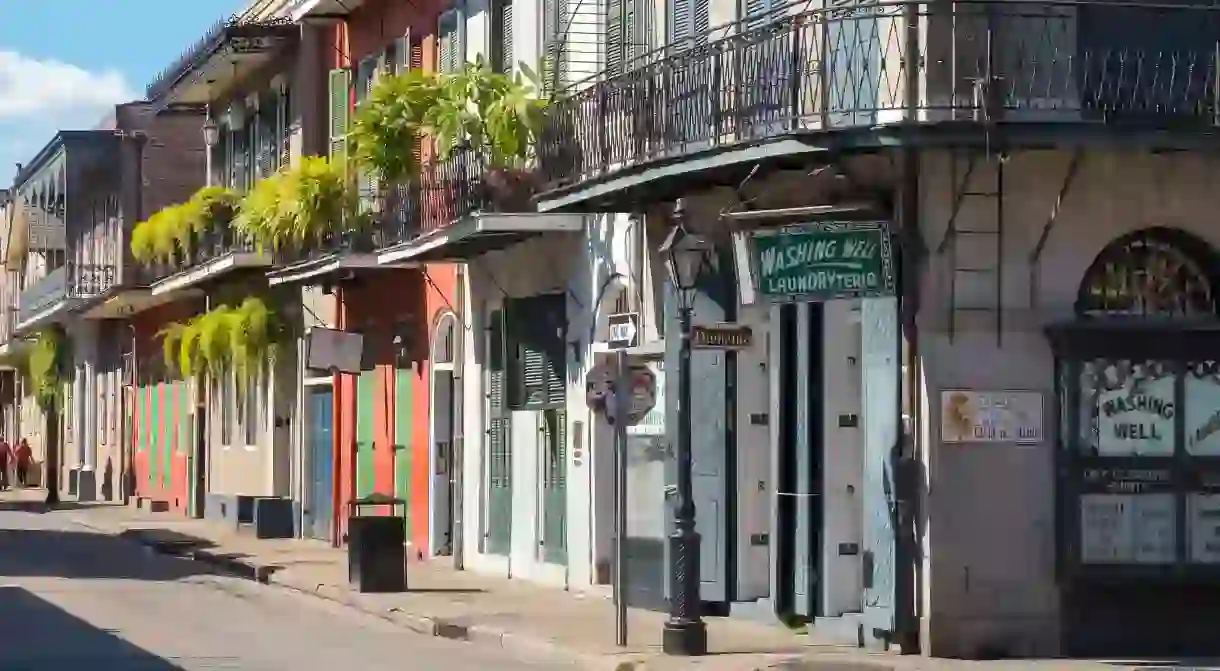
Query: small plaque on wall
[{"x": 969, "y": 416}]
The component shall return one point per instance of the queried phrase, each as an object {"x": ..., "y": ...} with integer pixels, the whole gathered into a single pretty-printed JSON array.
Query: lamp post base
[{"x": 684, "y": 639}]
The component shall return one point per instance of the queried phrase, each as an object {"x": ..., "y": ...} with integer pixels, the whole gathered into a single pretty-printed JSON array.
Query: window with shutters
[
  {"x": 536, "y": 352},
  {"x": 340, "y": 111},
  {"x": 267, "y": 134},
  {"x": 556, "y": 23},
  {"x": 284, "y": 125},
  {"x": 688, "y": 22},
  {"x": 366, "y": 78},
  {"x": 629, "y": 34},
  {"x": 501, "y": 47},
  {"x": 449, "y": 51}
]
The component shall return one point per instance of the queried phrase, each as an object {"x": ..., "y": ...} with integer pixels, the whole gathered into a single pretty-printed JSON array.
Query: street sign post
[{"x": 624, "y": 330}]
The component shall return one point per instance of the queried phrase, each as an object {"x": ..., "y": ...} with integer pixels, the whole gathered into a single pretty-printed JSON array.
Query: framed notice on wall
[
  {"x": 991, "y": 417},
  {"x": 1128, "y": 529}
]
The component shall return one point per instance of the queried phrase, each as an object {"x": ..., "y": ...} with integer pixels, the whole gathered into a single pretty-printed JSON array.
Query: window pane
[
  {"x": 1203, "y": 408},
  {"x": 1127, "y": 529},
  {"x": 1127, "y": 408},
  {"x": 1203, "y": 524}
]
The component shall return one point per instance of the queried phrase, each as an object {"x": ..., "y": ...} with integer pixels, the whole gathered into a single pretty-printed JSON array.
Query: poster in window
[
  {"x": 1135, "y": 410},
  {"x": 1203, "y": 409},
  {"x": 1203, "y": 525},
  {"x": 1127, "y": 529}
]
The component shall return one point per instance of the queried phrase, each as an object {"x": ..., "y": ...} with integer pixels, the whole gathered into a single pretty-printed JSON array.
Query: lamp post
[
  {"x": 211, "y": 137},
  {"x": 687, "y": 258}
]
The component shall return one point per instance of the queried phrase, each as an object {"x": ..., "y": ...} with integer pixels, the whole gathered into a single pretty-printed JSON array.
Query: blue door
[{"x": 322, "y": 467}]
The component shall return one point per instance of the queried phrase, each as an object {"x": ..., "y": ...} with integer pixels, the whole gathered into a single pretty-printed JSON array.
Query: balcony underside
[
  {"x": 669, "y": 178},
  {"x": 477, "y": 234},
  {"x": 223, "y": 58},
  {"x": 208, "y": 271},
  {"x": 322, "y": 266},
  {"x": 812, "y": 83}
]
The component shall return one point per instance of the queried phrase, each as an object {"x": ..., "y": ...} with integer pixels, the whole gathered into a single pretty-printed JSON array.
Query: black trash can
[{"x": 377, "y": 545}]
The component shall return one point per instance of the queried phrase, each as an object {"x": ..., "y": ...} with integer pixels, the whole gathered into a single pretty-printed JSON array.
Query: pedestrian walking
[
  {"x": 24, "y": 455},
  {"x": 6, "y": 460}
]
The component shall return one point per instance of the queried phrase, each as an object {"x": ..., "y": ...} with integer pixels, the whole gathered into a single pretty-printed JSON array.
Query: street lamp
[
  {"x": 211, "y": 132},
  {"x": 687, "y": 258},
  {"x": 211, "y": 138}
]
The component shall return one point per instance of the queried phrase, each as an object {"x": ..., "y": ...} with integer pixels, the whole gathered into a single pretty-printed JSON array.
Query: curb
[
  {"x": 420, "y": 624},
  {"x": 432, "y": 626}
]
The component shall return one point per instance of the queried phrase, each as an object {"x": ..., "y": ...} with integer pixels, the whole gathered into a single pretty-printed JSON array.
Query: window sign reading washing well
[
  {"x": 822, "y": 261},
  {"x": 1136, "y": 416}
]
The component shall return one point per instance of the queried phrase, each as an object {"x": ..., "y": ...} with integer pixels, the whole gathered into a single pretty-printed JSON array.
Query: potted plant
[
  {"x": 298, "y": 208},
  {"x": 491, "y": 117},
  {"x": 224, "y": 337}
]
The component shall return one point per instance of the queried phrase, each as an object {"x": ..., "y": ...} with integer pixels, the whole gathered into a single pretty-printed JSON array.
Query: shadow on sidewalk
[
  {"x": 40, "y": 636},
  {"x": 54, "y": 553},
  {"x": 38, "y": 507}
]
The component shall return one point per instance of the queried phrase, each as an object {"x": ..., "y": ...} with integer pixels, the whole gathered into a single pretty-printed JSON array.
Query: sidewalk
[{"x": 494, "y": 611}]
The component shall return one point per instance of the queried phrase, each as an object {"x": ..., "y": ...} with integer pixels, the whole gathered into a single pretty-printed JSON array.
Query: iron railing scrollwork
[{"x": 861, "y": 65}]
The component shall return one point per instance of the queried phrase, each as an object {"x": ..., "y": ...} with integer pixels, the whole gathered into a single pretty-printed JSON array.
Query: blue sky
[{"x": 64, "y": 62}]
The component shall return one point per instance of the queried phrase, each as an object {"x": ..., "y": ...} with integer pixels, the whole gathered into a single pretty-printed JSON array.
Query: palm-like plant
[
  {"x": 45, "y": 367},
  {"x": 494, "y": 115}
]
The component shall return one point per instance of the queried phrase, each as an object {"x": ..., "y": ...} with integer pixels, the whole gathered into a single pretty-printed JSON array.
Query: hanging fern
[
  {"x": 45, "y": 367},
  {"x": 298, "y": 207},
  {"x": 175, "y": 231},
  {"x": 222, "y": 339}
]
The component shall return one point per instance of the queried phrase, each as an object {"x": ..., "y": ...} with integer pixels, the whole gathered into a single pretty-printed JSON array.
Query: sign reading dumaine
[{"x": 822, "y": 261}]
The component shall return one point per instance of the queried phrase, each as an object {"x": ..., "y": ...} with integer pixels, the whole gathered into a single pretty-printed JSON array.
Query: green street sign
[{"x": 822, "y": 261}]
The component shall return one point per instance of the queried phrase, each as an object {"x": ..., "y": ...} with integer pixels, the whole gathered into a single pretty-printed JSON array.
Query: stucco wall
[
  {"x": 990, "y": 539},
  {"x": 577, "y": 265}
]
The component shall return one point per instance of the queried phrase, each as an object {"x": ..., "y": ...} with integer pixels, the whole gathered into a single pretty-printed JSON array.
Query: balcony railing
[
  {"x": 828, "y": 70},
  {"x": 445, "y": 192},
  {"x": 210, "y": 246},
  {"x": 44, "y": 293},
  {"x": 86, "y": 280}
]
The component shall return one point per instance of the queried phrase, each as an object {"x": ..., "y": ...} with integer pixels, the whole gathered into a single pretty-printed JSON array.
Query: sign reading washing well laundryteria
[{"x": 822, "y": 261}]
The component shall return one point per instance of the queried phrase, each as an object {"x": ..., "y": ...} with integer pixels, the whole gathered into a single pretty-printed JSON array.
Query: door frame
[
  {"x": 443, "y": 360},
  {"x": 308, "y": 386}
]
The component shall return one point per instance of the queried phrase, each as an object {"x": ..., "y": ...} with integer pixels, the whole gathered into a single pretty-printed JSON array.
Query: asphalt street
[{"x": 74, "y": 599}]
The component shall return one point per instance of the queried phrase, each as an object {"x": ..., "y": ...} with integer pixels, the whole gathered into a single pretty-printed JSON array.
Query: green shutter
[
  {"x": 340, "y": 82},
  {"x": 537, "y": 352},
  {"x": 365, "y": 468},
  {"x": 499, "y": 516},
  {"x": 403, "y": 379},
  {"x": 554, "y": 460}
]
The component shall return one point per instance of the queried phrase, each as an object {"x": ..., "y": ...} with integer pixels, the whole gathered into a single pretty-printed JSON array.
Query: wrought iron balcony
[
  {"x": 449, "y": 190},
  {"x": 86, "y": 280},
  {"x": 901, "y": 64},
  {"x": 227, "y": 52},
  {"x": 43, "y": 294},
  {"x": 210, "y": 246}
]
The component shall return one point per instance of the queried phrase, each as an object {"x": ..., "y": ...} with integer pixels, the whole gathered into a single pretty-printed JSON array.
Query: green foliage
[
  {"x": 45, "y": 367},
  {"x": 174, "y": 231},
  {"x": 387, "y": 129},
  {"x": 298, "y": 206},
  {"x": 224, "y": 338},
  {"x": 497, "y": 115}
]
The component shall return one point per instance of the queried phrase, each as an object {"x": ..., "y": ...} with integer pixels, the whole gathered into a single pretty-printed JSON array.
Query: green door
[
  {"x": 402, "y": 438},
  {"x": 365, "y": 386},
  {"x": 499, "y": 517},
  {"x": 554, "y": 446}
]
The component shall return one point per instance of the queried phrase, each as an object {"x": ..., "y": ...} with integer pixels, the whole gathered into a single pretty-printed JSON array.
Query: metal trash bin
[{"x": 377, "y": 546}]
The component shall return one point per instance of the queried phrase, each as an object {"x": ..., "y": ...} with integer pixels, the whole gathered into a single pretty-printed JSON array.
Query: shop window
[{"x": 1139, "y": 384}]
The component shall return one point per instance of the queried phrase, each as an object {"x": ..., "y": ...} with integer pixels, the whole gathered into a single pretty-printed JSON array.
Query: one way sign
[{"x": 624, "y": 330}]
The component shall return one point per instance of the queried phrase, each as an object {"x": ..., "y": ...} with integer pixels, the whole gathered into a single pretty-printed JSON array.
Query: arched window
[{"x": 1153, "y": 273}]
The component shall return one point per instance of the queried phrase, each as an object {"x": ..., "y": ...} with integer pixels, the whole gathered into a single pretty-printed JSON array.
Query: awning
[
  {"x": 478, "y": 234},
  {"x": 300, "y": 9},
  {"x": 209, "y": 270},
  {"x": 311, "y": 269}
]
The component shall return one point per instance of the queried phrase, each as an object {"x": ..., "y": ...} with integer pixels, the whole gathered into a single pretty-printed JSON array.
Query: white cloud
[
  {"x": 40, "y": 97},
  {"x": 32, "y": 88}
]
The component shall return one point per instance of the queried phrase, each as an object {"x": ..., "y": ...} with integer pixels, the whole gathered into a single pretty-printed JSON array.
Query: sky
[{"x": 64, "y": 64}]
